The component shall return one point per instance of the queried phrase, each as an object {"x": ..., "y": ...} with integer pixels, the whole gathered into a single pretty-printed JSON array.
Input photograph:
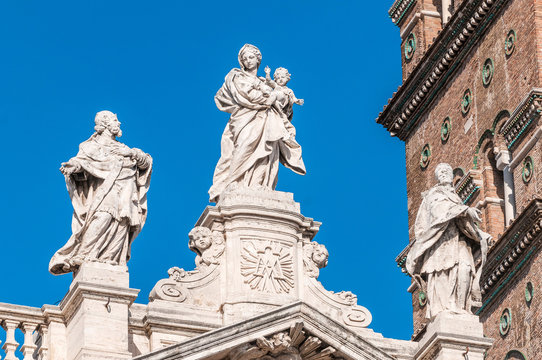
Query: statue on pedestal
[
  {"x": 441, "y": 258},
  {"x": 108, "y": 183},
  {"x": 258, "y": 134}
]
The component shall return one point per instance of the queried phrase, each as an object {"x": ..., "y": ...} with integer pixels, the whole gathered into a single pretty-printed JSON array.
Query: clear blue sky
[{"x": 158, "y": 65}]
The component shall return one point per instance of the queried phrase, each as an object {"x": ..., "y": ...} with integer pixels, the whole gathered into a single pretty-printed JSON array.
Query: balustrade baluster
[
  {"x": 44, "y": 347},
  {"x": 28, "y": 347},
  {"x": 10, "y": 346}
]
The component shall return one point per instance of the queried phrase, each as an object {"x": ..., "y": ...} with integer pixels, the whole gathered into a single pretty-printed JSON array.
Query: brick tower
[{"x": 472, "y": 97}]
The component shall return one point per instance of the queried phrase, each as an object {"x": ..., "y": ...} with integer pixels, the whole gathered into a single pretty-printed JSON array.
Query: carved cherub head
[
  {"x": 249, "y": 57},
  {"x": 315, "y": 257},
  {"x": 206, "y": 244},
  {"x": 107, "y": 120},
  {"x": 320, "y": 255},
  {"x": 281, "y": 76}
]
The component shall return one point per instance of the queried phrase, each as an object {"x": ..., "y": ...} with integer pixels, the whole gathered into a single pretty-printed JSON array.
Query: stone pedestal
[
  {"x": 255, "y": 252},
  {"x": 263, "y": 266},
  {"x": 96, "y": 313},
  {"x": 453, "y": 337}
]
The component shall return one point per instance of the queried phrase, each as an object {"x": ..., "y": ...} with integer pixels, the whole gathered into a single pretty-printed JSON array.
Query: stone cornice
[
  {"x": 467, "y": 187},
  {"x": 21, "y": 313},
  {"x": 511, "y": 252},
  {"x": 438, "y": 64},
  {"x": 352, "y": 345},
  {"x": 524, "y": 115},
  {"x": 399, "y": 9}
]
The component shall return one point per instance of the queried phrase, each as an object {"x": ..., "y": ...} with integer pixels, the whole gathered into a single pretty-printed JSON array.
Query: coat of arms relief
[{"x": 267, "y": 266}]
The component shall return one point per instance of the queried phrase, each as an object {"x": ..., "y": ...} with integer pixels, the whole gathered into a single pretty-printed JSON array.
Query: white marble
[
  {"x": 264, "y": 256},
  {"x": 441, "y": 257},
  {"x": 259, "y": 134},
  {"x": 452, "y": 336},
  {"x": 108, "y": 183},
  {"x": 286, "y": 333},
  {"x": 95, "y": 313}
]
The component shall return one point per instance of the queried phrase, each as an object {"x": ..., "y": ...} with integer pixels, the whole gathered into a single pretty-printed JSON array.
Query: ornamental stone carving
[
  {"x": 108, "y": 183},
  {"x": 441, "y": 258},
  {"x": 295, "y": 344},
  {"x": 209, "y": 248},
  {"x": 170, "y": 289},
  {"x": 267, "y": 266},
  {"x": 250, "y": 154},
  {"x": 314, "y": 258}
]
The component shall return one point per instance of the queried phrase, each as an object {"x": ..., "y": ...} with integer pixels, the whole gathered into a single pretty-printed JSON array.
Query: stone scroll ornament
[
  {"x": 108, "y": 183},
  {"x": 441, "y": 257},
  {"x": 209, "y": 247},
  {"x": 294, "y": 344},
  {"x": 315, "y": 257},
  {"x": 259, "y": 133}
]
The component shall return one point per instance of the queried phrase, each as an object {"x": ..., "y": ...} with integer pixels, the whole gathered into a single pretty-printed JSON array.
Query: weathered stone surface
[
  {"x": 441, "y": 258},
  {"x": 250, "y": 154},
  {"x": 108, "y": 184},
  {"x": 452, "y": 336}
]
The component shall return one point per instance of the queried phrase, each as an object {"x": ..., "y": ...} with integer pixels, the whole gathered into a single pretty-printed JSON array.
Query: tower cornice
[
  {"x": 399, "y": 10},
  {"x": 438, "y": 64}
]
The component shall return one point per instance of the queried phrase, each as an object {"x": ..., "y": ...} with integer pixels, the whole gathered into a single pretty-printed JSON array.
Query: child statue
[{"x": 282, "y": 97}]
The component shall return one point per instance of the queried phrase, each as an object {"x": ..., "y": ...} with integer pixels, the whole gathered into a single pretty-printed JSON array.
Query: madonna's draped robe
[
  {"x": 109, "y": 199},
  {"x": 254, "y": 140}
]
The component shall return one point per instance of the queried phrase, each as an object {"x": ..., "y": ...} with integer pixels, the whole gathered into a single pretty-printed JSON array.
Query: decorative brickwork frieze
[
  {"x": 439, "y": 63},
  {"x": 467, "y": 188},
  {"x": 512, "y": 251},
  {"x": 524, "y": 116},
  {"x": 399, "y": 10}
]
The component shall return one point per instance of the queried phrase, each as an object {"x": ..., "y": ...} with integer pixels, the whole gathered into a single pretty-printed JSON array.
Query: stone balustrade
[{"x": 31, "y": 322}]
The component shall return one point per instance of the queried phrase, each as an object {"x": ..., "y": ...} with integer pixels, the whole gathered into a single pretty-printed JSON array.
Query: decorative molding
[
  {"x": 293, "y": 344},
  {"x": 525, "y": 114},
  {"x": 445, "y": 129},
  {"x": 529, "y": 292},
  {"x": 487, "y": 72},
  {"x": 527, "y": 170},
  {"x": 467, "y": 188},
  {"x": 170, "y": 289},
  {"x": 515, "y": 355},
  {"x": 399, "y": 9},
  {"x": 267, "y": 266},
  {"x": 511, "y": 252},
  {"x": 510, "y": 43},
  {"x": 438, "y": 64},
  {"x": 344, "y": 305},
  {"x": 466, "y": 101},
  {"x": 410, "y": 46},
  {"x": 401, "y": 260},
  {"x": 425, "y": 156},
  {"x": 505, "y": 322}
]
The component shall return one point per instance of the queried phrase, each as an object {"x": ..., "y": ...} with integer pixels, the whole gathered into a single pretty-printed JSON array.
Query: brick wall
[
  {"x": 525, "y": 333},
  {"x": 513, "y": 78}
]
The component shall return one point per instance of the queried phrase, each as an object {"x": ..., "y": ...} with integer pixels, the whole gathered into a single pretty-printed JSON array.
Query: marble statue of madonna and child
[{"x": 259, "y": 133}]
